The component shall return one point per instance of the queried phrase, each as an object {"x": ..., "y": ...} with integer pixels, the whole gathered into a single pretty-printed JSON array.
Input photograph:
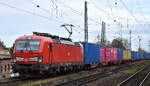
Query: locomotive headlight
[
  {"x": 19, "y": 59},
  {"x": 33, "y": 59},
  {"x": 40, "y": 59}
]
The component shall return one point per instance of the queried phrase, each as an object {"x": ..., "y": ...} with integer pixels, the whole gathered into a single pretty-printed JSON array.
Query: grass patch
[
  {"x": 31, "y": 83},
  {"x": 130, "y": 71},
  {"x": 135, "y": 68}
]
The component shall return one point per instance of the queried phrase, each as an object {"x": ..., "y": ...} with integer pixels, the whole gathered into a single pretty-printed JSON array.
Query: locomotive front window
[{"x": 27, "y": 44}]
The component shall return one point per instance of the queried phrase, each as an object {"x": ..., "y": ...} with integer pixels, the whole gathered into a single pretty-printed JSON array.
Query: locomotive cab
[{"x": 31, "y": 53}]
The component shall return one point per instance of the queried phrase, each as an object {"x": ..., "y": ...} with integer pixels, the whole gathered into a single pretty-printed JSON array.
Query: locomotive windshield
[{"x": 27, "y": 44}]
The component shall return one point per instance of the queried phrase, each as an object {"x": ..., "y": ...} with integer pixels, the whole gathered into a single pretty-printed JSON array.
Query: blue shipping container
[
  {"x": 144, "y": 55},
  {"x": 147, "y": 55},
  {"x": 120, "y": 54},
  {"x": 140, "y": 55},
  {"x": 91, "y": 52},
  {"x": 134, "y": 55}
]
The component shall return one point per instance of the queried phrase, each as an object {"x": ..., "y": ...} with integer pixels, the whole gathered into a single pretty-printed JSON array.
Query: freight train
[{"x": 43, "y": 53}]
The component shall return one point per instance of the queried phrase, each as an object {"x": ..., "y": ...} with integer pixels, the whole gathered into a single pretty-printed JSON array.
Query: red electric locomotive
[{"x": 44, "y": 53}]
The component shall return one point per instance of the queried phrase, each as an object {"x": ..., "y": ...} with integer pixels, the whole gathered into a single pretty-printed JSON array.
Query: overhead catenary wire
[
  {"x": 128, "y": 18},
  {"x": 141, "y": 10},
  {"x": 108, "y": 13},
  {"x": 46, "y": 10},
  {"x": 38, "y": 6},
  {"x": 77, "y": 12},
  {"x": 111, "y": 10},
  {"x": 129, "y": 11},
  {"x": 119, "y": 17},
  {"x": 57, "y": 10},
  {"x": 43, "y": 9},
  {"x": 102, "y": 10},
  {"x": 131, "y": 14},
  {"x": 32, "y": 13},
  {"x": 138, "y": 3},
  {"x": 29, "y": 12}
]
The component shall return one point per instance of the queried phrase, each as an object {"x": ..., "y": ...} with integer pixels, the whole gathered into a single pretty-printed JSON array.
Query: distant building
[
  {"x": 5, "y": 67},
  {"x": 141, "y": 50},
  {"x": 5, "y": 61},
  {"x": 4, "y": 50}
]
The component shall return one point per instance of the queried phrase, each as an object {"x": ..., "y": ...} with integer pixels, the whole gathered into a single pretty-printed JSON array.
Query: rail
[
  {"x": 144, "y": 79},
  {"x": 88, "y": 78},
  {"x": 132, "y": 76}
]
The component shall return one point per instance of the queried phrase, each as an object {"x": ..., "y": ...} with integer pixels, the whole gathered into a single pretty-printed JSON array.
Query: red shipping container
[
  {"x": 114, "y": 53},
  {"x": 108, "y": 54}
]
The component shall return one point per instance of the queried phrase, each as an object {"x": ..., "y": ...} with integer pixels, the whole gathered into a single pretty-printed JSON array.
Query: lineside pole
[{"x": 85, "y": 22}]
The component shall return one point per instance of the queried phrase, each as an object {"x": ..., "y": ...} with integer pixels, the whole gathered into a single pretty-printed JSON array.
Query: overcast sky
[{"x": 22, "y": 17}]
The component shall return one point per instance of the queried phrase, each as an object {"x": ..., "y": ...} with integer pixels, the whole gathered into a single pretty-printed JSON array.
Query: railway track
[
  {"x": 142, "y": 83},
  {"x": 137, "y": 79},
  {"x": 85, "y": 79},
  {"x": 77, "y": 81},
  {"x": 82, "y": 80}
]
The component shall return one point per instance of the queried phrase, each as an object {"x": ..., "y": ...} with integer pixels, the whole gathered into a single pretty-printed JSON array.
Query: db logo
[
  {"x": 26, "y": 60},
  {"x": 68, "y": 53}
]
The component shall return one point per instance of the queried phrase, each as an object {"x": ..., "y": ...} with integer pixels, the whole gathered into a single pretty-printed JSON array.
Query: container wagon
[
  {"x": 108, "y": 55},
  {"x": 91, "y": 54},
  {"x": 120, "y": 55},
  {"x": 134, "y": 55},
  {"x": 126, "y": 55}
]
